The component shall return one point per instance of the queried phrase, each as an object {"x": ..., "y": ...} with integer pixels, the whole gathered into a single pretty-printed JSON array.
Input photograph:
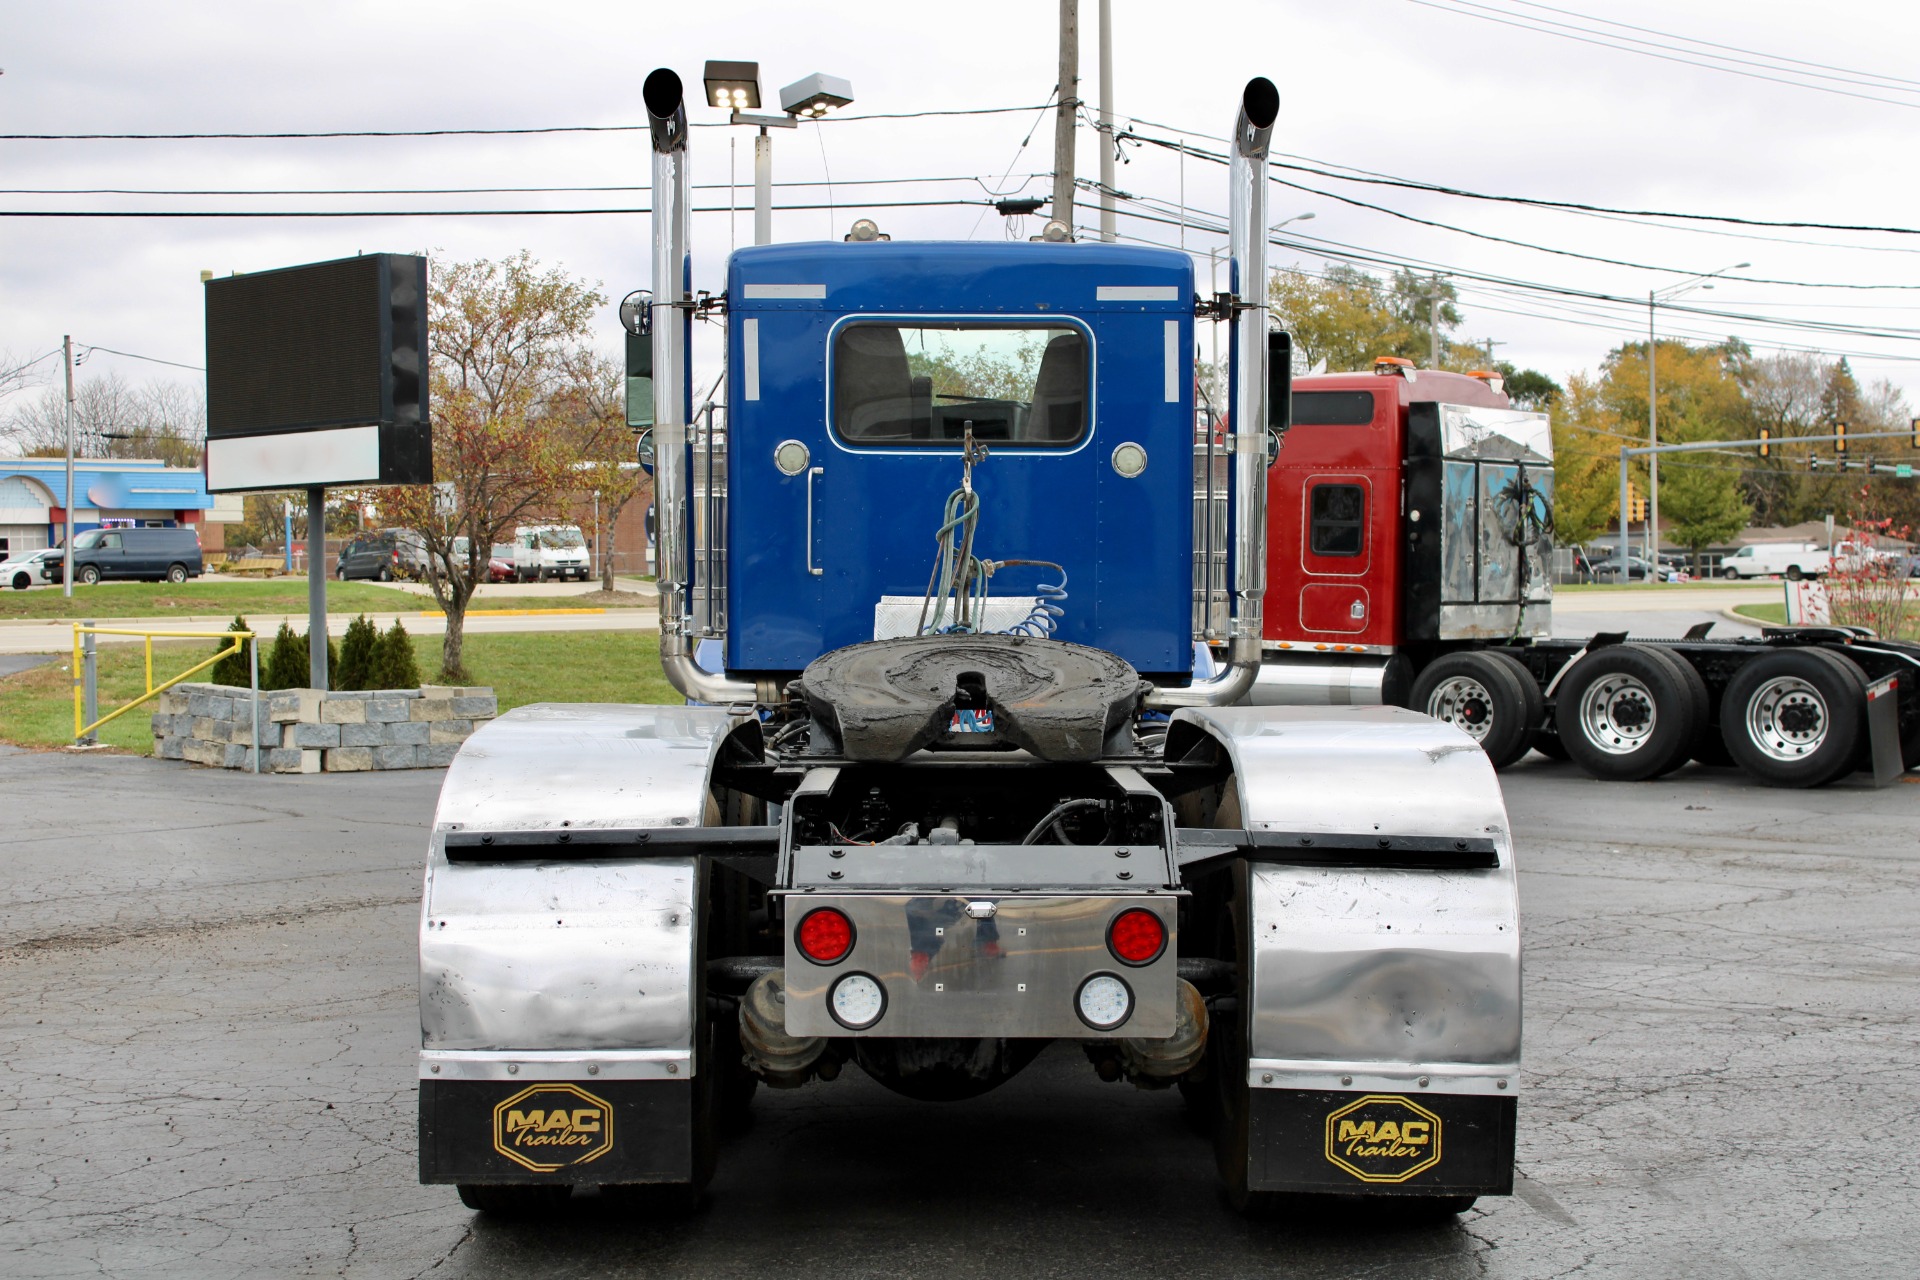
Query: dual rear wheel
[
  {"x": 1790, "y": 718},
  {"x": 1488, "y": 695}
]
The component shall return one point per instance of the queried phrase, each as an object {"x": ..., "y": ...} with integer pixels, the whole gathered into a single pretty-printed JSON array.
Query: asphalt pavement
[{"x": 208, "y": 1020}]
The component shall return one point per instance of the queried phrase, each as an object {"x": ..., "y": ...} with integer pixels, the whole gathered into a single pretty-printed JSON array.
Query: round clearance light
[
  {"x": 857, "y": 1001},
  {"x": 1129, "y": 460},
  {"x": 825, "y": 936},
  {"x": 1104, "y": 1001},
  {"x": 791, "y": 457},
  {"x": 1136, "y": 936}
]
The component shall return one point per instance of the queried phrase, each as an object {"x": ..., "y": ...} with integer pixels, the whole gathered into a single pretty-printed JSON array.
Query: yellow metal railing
[{"x": 85, "y": 684}]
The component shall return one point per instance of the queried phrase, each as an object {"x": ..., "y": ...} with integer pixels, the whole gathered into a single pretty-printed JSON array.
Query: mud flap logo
[
  {"x": 1383, "y": 1138},
  {"x": 549, "y": 1127}
]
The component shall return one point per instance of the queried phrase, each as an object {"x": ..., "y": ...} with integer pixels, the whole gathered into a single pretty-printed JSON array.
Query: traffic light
[
  {"x": 1639, "y": 509},
  {"x": 1916, "y": 433},
  {"x": 1840, "y": 434},
  {"x": 1766, "y": 439},
  {"x": 1813, "y": 463}
]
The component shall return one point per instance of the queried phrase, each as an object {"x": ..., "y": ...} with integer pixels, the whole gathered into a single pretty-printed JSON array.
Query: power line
[
  {"x": 446, "y": 191},
  {"x": 17, "y": 370},
  {"x": 441, "y": 213},
  {"x": 149, "y": 359},
  {"x": 461, "y": 133},
  {"x": 1731, "y": 48},
  {"x": 1604, "y": 40},
  {"x": 1534, "y": 201}
]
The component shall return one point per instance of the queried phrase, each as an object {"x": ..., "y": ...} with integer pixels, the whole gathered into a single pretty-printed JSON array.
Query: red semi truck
[{"x": 1410, "y": 539}]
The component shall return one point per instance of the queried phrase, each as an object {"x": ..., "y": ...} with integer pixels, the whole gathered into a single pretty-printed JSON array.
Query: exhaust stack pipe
[
  {"x": 672, "y": 317},
  {"x": 1247, "y": 243}
]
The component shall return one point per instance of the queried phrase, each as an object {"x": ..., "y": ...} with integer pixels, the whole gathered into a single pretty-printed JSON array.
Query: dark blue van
[{"x": 153, "y": 555}]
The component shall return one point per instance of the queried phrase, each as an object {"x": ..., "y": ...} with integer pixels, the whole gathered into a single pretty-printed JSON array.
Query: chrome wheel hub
[{"x": 1617, "y": 714}]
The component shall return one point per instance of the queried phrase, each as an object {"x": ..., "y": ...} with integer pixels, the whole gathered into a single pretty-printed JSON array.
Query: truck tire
[
  {"x": 515, "y": 1201},
  {"x": 1793, "y": 573},
  {"x": 176, "y": 573},
  {"x": 1730, "y": 573},
  {"x": 1628, "y": 712},
  {"x": 88, "y": 574},
  {"x": 1488, "y": 696},
  {"x": 1793, "y": 717}
]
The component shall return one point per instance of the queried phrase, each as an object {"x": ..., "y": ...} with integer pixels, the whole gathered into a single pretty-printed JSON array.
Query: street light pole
[
  {"x": 66, "y": 574},
  {"x": 1653, "y": 428},
  {"x": 1107, "y": 228}
]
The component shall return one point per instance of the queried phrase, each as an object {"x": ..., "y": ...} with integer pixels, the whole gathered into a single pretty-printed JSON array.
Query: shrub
[
  {"x": 357, "y": 652},
  {"x": 394, "y": 666},
  {"x": 234, "y": 668},
  {"x": 287, "y": 664}
]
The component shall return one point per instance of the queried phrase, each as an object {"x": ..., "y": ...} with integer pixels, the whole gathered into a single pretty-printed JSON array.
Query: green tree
[
  {"x": 393, "y": 665},
  {"x": 233, "y": 669},
  {"x": 1530, "y": 389},
  {"x": 356, "y": 655},
  {"x": 1586, "y": 451},
  {"x": 1411, "y": 301},
  {"x": 510, "y": 344},
  {"x": 1339, "y": 321},
  {"x": 1700, "y": 503}
]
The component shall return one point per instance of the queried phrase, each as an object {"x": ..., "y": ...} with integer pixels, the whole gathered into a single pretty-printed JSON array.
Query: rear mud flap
[
  {"x": 622, "y": 1131},
  {"x": 1380, "y": 1144}
]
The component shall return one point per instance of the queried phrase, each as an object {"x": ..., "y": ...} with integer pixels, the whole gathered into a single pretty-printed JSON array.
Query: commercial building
[{"x": 107, "y": 493}]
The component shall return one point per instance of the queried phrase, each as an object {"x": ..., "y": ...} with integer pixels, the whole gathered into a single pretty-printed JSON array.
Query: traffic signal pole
[{"x": 1629, "y": 451}]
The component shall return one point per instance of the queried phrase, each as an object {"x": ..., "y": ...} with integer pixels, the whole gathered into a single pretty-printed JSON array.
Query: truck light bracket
[{"x": 1197, "y": 845}]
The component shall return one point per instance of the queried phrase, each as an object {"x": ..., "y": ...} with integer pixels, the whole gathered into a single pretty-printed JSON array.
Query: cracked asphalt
[{"x": 207, "y": 1022}]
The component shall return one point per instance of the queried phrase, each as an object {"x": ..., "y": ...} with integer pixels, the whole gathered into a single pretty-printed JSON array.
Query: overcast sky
[{"x": 1469, "y": 94}]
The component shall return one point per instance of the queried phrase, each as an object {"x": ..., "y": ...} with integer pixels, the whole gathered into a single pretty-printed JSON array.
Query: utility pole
[
  {"x": 1063, "y": 120},
  {"x": 1490, "y": 345},
  {"x": 66, "y": 574},
  {"x": 1653, "y": 459},
  {"x": 1107, "y": 228},
  {"x": 1433, "y": 324}
]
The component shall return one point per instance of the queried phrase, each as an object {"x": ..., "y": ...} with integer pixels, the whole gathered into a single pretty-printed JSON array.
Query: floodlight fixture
[
  {"x": 733, "y": 86},
  {"x": 814, "y": 96}
]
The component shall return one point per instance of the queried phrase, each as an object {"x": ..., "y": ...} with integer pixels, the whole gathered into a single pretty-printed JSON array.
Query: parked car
[
  {"x": 1637, "y": 569},
  {"x": 550, "y": 551},
  {"x": 500, "y": 566},
  {"x": 152, "y": 555},
  {"x": 1792, "y": 560},
  {"x": 381, "y": 557},
  {"x": 24, "y": 568}
]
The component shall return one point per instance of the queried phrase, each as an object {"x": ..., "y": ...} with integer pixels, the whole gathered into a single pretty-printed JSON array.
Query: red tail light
[
  {"x": 1136, "y": 936},
  {"x": 824, "y": 936}
]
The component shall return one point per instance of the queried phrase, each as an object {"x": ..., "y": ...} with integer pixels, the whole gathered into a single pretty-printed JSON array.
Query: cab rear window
[
  {"x": 923, "y": 383},
  {"x": 1332, "y": 408}
]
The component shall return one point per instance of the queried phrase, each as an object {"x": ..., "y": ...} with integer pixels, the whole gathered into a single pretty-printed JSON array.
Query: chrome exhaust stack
[
  {"x": 672, "y": 317},
  {"x": 1247, "y": 245}
]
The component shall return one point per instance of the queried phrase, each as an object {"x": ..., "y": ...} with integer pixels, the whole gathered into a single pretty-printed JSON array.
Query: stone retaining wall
[{"x": 313, "y": 730}]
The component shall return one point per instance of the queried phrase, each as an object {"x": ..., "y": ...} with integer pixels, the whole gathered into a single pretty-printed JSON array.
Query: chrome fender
[
  {"x": 1375, "y": 976},
  {"x": 565, "y": 967}
]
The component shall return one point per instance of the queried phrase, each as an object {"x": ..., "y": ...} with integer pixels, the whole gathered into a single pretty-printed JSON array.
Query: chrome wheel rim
[
  {"x": 1618, "y": 714},
  {"x": 1787, "y": 718},
  {"x": 1464, "y": 703}
]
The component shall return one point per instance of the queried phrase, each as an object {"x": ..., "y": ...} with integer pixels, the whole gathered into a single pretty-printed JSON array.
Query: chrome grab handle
[{"x": 811, "y": 473}]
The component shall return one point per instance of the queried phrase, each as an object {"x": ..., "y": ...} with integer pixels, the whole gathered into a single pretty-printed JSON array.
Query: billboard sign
[{"x": 317, "y": 375}]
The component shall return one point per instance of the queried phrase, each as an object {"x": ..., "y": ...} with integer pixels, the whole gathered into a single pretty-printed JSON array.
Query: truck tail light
[
  {"x": 825, "y": 936},
  {"x": 1136, "y": 936},
  {"x": 1104, "y": 1001},
  {"x": 857, "y": 1000}
]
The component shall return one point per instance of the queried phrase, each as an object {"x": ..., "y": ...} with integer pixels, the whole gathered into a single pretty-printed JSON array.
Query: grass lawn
[
  {"x": 1774, "y": 615},
  {"x": 36, "y": 706},
  {"x": 272, "y": 596}
]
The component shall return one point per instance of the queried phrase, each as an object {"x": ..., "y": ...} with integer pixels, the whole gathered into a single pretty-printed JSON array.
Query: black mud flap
[
  {"x": 1380, "y": 1143},
  {"x": 537, "y": 1131}
]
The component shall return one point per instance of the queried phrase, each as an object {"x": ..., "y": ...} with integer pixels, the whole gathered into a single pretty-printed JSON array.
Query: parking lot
[{"x": 209, "y": 1020}]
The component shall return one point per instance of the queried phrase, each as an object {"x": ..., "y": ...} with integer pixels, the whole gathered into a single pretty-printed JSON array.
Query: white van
[
  {"x": 1792, "y": 560},
  {"x": 550, "y": 551}
]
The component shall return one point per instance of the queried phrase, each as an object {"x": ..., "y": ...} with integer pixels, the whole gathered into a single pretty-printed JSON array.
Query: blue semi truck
[{"x": 950, "y": 785}]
